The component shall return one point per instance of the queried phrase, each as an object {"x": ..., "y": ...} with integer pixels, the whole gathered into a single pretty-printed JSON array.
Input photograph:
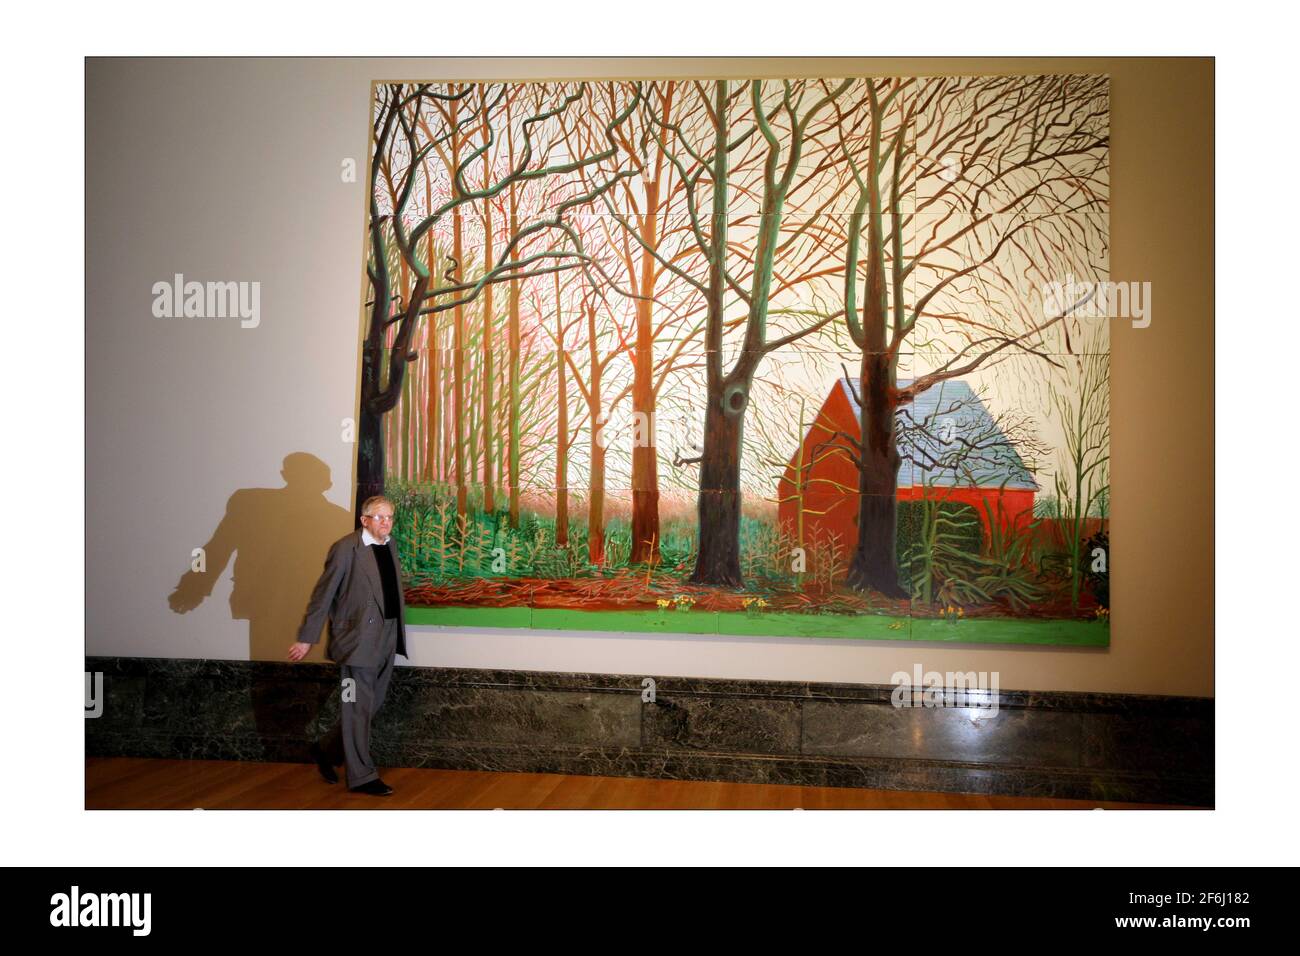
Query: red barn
[{"x": 952, "y": 449}]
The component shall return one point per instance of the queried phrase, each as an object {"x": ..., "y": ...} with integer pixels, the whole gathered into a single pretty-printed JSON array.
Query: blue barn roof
[{"x": 935, "y": 433}]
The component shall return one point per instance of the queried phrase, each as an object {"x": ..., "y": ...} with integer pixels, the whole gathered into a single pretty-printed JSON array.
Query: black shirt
[{"x": 387, "y": 574}]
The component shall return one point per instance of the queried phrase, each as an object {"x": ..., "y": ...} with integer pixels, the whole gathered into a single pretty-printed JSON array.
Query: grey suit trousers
[{"x": 349, "y": 741}]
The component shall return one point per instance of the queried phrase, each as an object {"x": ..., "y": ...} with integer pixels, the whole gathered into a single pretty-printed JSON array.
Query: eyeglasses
[{"x": 379, "y": 517}]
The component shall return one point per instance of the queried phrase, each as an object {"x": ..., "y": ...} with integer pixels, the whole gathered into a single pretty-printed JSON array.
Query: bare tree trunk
[
  {"x": 596, "y": 511},
  {"x": 645, "y": 456},
  {"x": 514, "y": 400},
  {"x": 513, "y": 417},
  {"x": 448, "y": 434},
  {"x": 404, "y": 429},
  {"x": 433, "y": 412},
  {"x": 472, "y": 383},
  {"x": 502, "y": 409},
  {"x": 370, "y": 459},
  {"x": 458, "y": 374},
  {"x": 561, "y": 431},
  {"x": 432, "y": 366},
  {"x": 875, "y": 558},
  {"x": 489, "y": 497},
  {"x": 718, "y": 562},
  {"x": 460, "y": 412}
]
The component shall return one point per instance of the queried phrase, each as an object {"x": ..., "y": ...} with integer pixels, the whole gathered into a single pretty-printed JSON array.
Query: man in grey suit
[{"x": 360, "y": 591}]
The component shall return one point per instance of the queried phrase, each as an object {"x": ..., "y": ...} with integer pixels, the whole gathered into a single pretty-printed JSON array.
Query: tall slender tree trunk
[
  {"x": 433, "y": 432},
  {"x": 500, "y": 431},
  {"x": 389, "y": 425},
  {"x": 417, "y": 408},
  {"x": 514, "y": 343},
  {"x": 489, "y": 496},
  {"x": 458, "y": 337},
  {"x": 514, "y": 396},
  {"x": 645, "y": 456},
  {"x": 799, "y": 482},
  {"x": 432, "y": 367},
  {"x": 448, "y": 433},
  {"x": 562, "y": 431},
  {"x": 458, "y": 376},
  {"x": 398, "y": 416},
  {"x": 472, "y": 383},
  {"x": 404, "y": 429},
  {"x": 596, "y": 511}
]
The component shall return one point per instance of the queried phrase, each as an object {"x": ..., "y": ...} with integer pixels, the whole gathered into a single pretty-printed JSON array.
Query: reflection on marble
[{"x": 1068, "y": 745}]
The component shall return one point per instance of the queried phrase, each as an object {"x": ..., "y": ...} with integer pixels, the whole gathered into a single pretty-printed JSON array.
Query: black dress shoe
[
  {"x": 323, "y": 765},
  {"x": 376, "y": 788}
]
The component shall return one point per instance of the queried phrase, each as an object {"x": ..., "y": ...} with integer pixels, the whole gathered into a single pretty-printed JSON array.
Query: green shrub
[{"x": 932, "y": 538}]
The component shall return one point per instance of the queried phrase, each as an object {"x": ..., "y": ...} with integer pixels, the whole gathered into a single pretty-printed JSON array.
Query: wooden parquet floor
[{"x": 140, "y": 783}]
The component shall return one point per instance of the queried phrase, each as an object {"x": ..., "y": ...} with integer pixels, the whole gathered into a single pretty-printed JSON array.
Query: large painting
[{"x": 787, "y": 357}]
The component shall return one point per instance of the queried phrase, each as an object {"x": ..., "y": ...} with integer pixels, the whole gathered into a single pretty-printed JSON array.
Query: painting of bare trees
[{"x": 765, "y": 356}]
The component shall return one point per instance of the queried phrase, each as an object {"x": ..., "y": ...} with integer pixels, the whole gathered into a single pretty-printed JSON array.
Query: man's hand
[{"x": 299, "y": 650}]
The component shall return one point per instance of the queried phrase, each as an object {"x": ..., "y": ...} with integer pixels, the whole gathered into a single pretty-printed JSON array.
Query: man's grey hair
[{"x": 368, "y": 506}]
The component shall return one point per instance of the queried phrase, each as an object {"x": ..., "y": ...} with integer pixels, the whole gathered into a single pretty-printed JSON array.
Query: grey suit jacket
[{"x": 350, "y": 594}]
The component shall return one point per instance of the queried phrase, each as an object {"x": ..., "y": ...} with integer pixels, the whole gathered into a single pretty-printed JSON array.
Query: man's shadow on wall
[{"x": 279, "y": 538}]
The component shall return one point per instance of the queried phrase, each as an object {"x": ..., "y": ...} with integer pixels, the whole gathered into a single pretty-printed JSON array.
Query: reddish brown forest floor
[{"x": 628, "y": 592}]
